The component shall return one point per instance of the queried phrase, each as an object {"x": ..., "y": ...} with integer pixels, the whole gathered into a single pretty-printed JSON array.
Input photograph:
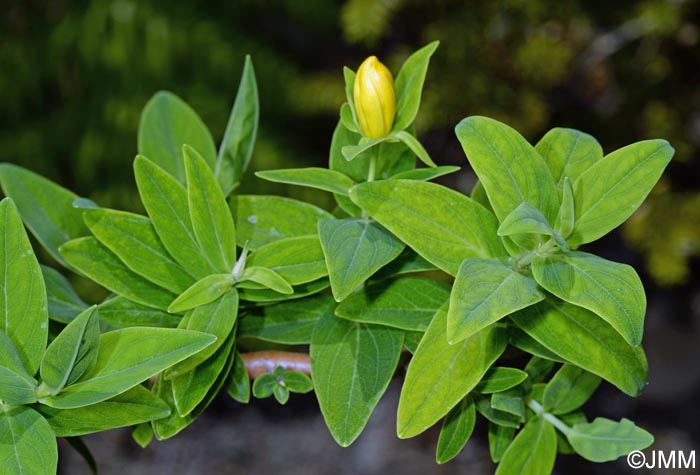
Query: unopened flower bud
[{"x": 375, "y": 98}]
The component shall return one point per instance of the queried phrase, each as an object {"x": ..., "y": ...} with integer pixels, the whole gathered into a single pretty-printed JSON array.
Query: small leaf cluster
[{"x": 486, "y": 298}]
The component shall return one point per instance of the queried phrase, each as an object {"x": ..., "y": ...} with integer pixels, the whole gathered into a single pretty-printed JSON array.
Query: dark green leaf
[
  {"x": 500, "y": 437},
  {"x": 456, "y": 430},
  {"x": 298, "y": 259},
  {"x": 238, "y": 385},
  {"x": 167, "y": 123},
  {"x": 569, "y": 389},
  {"x": 79, "y": 446},
  {"x": 497, "y": 416},
  {"x": 64, "y": 303},
  {"x": 121, "y": 313}
]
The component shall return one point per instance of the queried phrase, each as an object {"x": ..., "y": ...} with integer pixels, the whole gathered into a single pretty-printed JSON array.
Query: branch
[{"x": 260, "y": 362}]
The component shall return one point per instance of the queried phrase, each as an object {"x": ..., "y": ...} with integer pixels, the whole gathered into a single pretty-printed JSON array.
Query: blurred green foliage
[{"x": 75, "y": 75}]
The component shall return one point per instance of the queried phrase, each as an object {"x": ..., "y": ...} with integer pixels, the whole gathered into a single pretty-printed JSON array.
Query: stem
[
  {"x": 372, "y": 164},
  {"x": 260, "y": 362},
  {"x": 539, "y": 410}
]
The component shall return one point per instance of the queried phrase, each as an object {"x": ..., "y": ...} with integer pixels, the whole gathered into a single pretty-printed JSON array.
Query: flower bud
[{"x": 375, "y": 98}]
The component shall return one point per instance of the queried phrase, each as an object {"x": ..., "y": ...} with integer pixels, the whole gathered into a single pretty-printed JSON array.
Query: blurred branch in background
[{"x": 76, "y": 74}]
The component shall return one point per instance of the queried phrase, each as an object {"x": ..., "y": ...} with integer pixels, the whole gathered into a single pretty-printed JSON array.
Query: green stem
[
  {"x": 539, "y": 410},
  {"x": 372, "y": 164}
]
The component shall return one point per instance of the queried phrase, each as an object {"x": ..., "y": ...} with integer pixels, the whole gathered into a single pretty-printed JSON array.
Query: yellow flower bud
[{"x": 375, "y": 98}]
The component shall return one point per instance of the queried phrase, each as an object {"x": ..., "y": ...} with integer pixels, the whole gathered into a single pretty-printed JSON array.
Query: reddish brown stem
[{"x": 259, "y": 362}]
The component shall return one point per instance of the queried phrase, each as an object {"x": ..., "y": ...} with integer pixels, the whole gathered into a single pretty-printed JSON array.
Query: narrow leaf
[
  {"x": 121, "y": 313},
  {"x": 426, "y": 174},
  {"x": 569, "y": 389},
  {"x": 532, "y": 452},
  {"x": 416, "y": 147},
  {"x": 268, "y": 279},
  {"x": 64, "y": 303},
  {"x": 202, "y": 292},
  {"x": 409, "y": 85},
  {"x": 456, "y": 430},
  {"x": 298, "y": 259},
  {"x": 500, "y": 378},
  {"x": 313, "y": 177}
]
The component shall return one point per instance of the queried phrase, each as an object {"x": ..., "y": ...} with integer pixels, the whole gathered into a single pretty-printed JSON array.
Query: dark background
[{"x": 74, "y": 76}]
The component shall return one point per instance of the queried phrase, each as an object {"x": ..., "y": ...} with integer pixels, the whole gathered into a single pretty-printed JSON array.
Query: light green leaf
[
  {"x": 121, "y": 313},
  {"x": 569, "y": 389},
  {"x": 354, "y": 250},
  {"x": 349, "y": 76},
  {"x": 614, "y": 187},
  {"x": 298, "y": 259},
  {"x": 604, "y": 440},
  {"x": 500, "y": 437},
  {"x": 440, "y": 374},
  {"x": 341, "y": 351},
  {"x": 416, "y": 147},
  {"x": 409, "y": 85},
  {"x": 357, "y": 169},
  {"x": 126, "y": 358},
  {"x": 456, "y": 229},
  {"x": 350, "y": 152},
  {"x": 236, "y": 148},
  {"x": 101, "y": 265},
  {"x": 192, "y": 387},
  {"x": 582, "y": 338},
  {"x": 238, "y": 384},
  {"x": 202, "y": 292},
  {"x": 408, "y": 262},
  {"x": 211, "y": 219},
  {"x": 217, "y": 318},
  {"x": 23, "y": 304},
  {"x": 64, "y": 303},
  {"x": 143, "y": 433},
  {"x": 313, "y": 177},
  {"x": 165, "y": 201},
  {"x": 611, "y": 290},
  {"x": 347, "y": 118},
  {"x": 532, "y": 452},
  {"x": 525, "y": 342},
  {"x": 267, "y": 278},
  {"x": 479, "y": 195},
  {"x": 425, "y": 174},
  {"x": 16, "y": 387},
  {"x": 406, "y": 303},
  {"x": 167, "y": 123},
  {"x": 134, "y": 240},
  {"x": 526, "y": 219},
  {"x": 511, "y": 401},
  {"x": 72, "y": 353},
  {"x": 11, "y": 359},
  {"x": 134, "y": 406},
  {"x": 46, "y": 208},
  {"x": 485, "y": 291},
  {"x": 500, "y": 378},
  {"x": 456, "y": 430},
  {"x": 288, "y": 323},
  {"x": 566, "y": 218},
  {"x": 267, "y": 296},
  {"x": 509, "y": 168},
  {"x": 496, "y": 416},
  {"x": 27, "y": 443},
  {"x": 263, "y": 219},
  {"x": 568, "y": 153}
]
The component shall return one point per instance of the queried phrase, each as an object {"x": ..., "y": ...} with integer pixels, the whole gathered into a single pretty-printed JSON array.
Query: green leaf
[
  {"x": 236, "y": 148},
  {"x": 217, "y": 318},
  {"x": 566, "y": 218},
  {"x": 426, "y": 174},
  {"x": 568, "y": 153},
  {"x": 509, "y": 168},
  {"x": 121, "y": 313},
  {"x": 416, "y": 147},
  {"x": 267, "y": 278},
  {"x": 341, "y": 351},
  {"x": 263, "y": 219},
  {"x": 72, "y": 353},
  {"x": 79, "y": 446},
  {"x": 313, "y": 177},
  {"x": 479, "y": 195},
  {"x": 457, "y": 229},
  {"x": 288, "y": 323},
  {"x": 16, "y": 387},
  {"x": 570, "y": 419},
  {"x": 349, "y": 76},
  {"x": 532, "y": 452},
  {"x": 354, "y": 250},
  {"x": 267, "y": 296},
  {"x": 407, "y": 303},
  {"x": 192, "y": 387},
  {"x": 484, "y": 292},
  {"x": 134, "y": 406},
  {"x": 569, "y": 389},
  {"x": 614, "y": 187},
  {"x": 456, "y": 430},
  {"x": 134, "y": 240},
  {"x": 23, "y": 304},
  {"x": 298, "y": 259},
  {"x": 409, "y": 85},
  {"x": 64, "y": 303},
  {"x": 497, "y": 416},
  {"x": 101, "y": 265},
  {"x": 46, "y": 208},
  {"x": 11, "y": 359},
  {"x": 500, "y": 378},
  {"x": 604, "y": 440},
  {"x": 126, "y": 358},
  {"x": 350, "y": 152},
  {"x": 611, "y": 290},
  {"x": 585, "y": 340},
  {"x": 211, "y": 219},
  {"x": 166, "y": 202},
  {"x": 357, "y": 169},
  {"x": 526, "y": 219},
  {"x": 500, "y": 437},
  {"x": 525, "y": 342},
  {"x": 167, "y": 123},
  {"x": 538, "y": 369},
  {"x": 411, "y": 340},
  {"x": 347, "y": 118},
  {"x": 143, "y": 433},
  {"x": 297, "y": 382},
  {"x": 511, "y": 401},
  {"x": 238, "y": 385},
  {"x": 202, "y": 292},
  {"x": 408, "y": 262},
  {"x": 27, "y": 443},
  {"x": 440, "y": 374}
]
